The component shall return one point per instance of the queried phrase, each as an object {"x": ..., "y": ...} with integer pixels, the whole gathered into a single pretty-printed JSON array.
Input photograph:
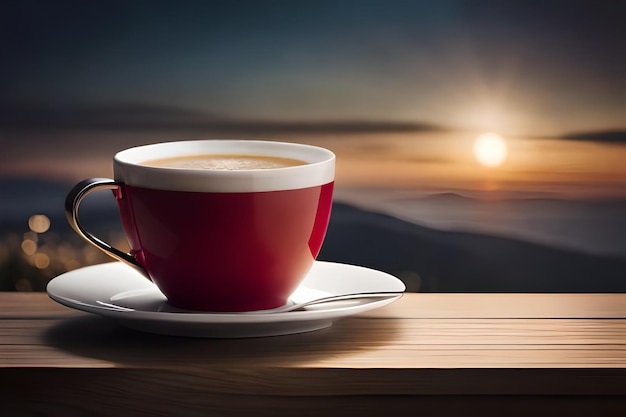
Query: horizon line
[{"x": 21, "y": 116}]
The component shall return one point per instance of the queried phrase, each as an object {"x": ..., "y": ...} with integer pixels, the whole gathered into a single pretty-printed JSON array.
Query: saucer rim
[{"x": 212, "y": 318}]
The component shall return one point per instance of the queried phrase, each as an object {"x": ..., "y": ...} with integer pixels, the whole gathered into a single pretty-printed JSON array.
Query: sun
[{"x": 490, "y": 150}]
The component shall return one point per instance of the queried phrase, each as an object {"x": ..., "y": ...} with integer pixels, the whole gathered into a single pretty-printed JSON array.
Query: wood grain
[{"x": 449, "y": 353}]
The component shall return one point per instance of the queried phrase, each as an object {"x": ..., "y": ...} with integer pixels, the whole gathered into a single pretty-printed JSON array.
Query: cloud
[
  {"x": 145, "y": 116},
  {"x": 610, "y": 136},
  {"x": 97, "y": 116}
]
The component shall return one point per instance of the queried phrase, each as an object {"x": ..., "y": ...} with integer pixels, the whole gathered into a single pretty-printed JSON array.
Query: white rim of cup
[{"x": 319, "y": 169}]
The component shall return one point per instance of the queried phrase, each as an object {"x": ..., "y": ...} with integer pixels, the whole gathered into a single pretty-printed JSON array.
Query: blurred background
[{"x": 481, "y": 144}]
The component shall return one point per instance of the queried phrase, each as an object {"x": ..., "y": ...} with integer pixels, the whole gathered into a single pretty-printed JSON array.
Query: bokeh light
[
  {"x": 29, "y": 246},
  {"x": 42, "y": 261},
  {"x": 39, "y": 223}
]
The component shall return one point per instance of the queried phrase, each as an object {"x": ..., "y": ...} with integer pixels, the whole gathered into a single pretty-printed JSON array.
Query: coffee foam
[
  {"x": 224, "y": 162},
  {"x": 227, "y": 164}
]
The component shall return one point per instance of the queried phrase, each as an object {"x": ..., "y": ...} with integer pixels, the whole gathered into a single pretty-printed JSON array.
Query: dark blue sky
[{"x": 538, "y": 67}]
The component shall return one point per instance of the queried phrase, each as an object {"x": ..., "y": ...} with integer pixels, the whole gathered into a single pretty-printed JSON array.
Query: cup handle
[{"x": 72, "y": 202}]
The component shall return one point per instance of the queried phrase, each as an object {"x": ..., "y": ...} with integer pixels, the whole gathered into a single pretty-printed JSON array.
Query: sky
[
  {"x": 516, "y": 67},
  {"x": 81, "y": 80}
]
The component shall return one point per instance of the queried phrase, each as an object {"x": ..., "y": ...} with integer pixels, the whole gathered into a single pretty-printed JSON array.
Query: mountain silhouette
[{"x": 430, "y": 260}]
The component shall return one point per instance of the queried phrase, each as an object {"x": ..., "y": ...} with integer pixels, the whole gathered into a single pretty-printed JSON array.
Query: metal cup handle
[{"x": 72, "y": 203}]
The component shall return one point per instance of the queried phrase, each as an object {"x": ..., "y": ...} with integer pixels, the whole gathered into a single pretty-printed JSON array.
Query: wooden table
[{"x": 449, "y": 354}]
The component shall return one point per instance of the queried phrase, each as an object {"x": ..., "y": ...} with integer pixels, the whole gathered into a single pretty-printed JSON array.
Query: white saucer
[{"x": 116, "y": 291}]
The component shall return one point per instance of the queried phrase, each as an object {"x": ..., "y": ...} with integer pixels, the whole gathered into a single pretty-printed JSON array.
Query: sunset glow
[{"x": 490, "y": 150}]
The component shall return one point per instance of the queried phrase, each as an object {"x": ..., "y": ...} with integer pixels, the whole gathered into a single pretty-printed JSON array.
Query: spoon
[{"x": 360, "y": 297}]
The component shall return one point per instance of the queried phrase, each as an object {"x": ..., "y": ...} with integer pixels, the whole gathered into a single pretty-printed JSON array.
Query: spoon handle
[{"x": 333, "y": 298}]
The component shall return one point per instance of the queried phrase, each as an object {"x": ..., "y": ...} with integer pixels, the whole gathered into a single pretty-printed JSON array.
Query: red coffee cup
[{"x": 218, "y": 240}]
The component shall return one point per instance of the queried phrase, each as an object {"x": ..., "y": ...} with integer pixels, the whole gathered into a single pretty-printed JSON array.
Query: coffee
[{"x": 224, "y": 162}]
